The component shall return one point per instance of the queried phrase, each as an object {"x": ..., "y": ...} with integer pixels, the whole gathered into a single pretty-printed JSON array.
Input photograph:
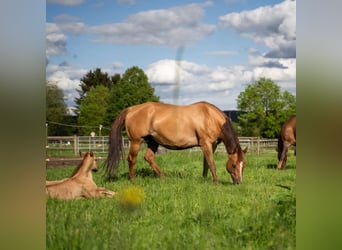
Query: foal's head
[
  {"x": 235, "y": 165},
  {"x": 89, "y": 161}
]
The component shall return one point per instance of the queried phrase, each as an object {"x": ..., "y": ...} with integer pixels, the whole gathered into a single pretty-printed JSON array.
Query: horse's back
[
  {"x": 173, "y": 124},
  {"x": 149, "y": 110}
]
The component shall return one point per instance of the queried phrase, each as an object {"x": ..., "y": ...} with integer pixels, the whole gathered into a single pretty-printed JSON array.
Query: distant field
[{"x": 182, "y": 211}]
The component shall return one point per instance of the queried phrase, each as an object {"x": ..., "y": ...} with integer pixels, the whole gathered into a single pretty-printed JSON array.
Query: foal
[{"x": 80, "y": 184}]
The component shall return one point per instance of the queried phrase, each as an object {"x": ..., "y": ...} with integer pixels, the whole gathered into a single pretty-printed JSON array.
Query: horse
[
  {"x": 175, "y": 127},
  {"x": 80, "y": 183},
  {"x": 286, "y": 139},
  {"x": 94, "y": 169}
]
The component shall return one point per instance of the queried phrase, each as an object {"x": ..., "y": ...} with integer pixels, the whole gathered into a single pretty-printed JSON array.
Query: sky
[{"x": 190, "y": 50}]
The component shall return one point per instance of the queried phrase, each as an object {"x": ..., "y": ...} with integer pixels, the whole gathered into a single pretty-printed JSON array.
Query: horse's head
[{"x": 235, "y": 165}]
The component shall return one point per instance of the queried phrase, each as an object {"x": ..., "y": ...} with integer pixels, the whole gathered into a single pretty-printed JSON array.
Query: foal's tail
[{"x": 115, "y": 151}]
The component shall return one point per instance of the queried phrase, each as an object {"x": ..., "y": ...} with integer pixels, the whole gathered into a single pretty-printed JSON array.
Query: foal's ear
[
  {"x": 81, "y": 154},
  {"x": 91, "y": 153},
  {"x": 245, "y": 150}
]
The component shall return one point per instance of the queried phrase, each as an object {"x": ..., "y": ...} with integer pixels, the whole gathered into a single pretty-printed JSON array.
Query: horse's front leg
[
  {"x": 132, "y": 157},
  {"x": 205, "y": 163},
  {"x": 207, "y": 150},
  {"x": 105, "y": 192}
]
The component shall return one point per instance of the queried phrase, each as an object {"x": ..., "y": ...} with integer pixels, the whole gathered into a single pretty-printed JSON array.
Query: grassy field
[{"x": 183, "y": 210}]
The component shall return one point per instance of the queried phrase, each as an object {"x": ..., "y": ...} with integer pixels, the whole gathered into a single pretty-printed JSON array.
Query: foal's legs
[
  {"x": 152, "y": 147},
  {"x": 132, "y": 157},
  {"x": 207, "y": 150},
  {"x": 205, "y": 163}
]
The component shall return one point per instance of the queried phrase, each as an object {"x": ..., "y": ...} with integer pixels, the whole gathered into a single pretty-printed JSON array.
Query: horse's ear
[
  {"x": 81, "y": 154},
  {"x": 91, "y": 153},
  {"x": 245, "y": 150}
]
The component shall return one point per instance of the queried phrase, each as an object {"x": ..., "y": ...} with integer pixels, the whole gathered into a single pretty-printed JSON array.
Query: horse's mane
[{"x": 230, "y": 138}]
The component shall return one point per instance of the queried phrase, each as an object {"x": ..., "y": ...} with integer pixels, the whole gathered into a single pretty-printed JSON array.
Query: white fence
[{"x": 74, "y": 144}]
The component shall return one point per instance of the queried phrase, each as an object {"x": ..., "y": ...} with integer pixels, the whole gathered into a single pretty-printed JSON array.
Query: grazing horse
[
  {"x": 286, "y": 138},
  {"x": 175, "y": 127},
  {"x": 80, "y": 184}
]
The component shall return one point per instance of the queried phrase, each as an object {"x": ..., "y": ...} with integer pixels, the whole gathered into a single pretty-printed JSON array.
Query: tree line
[{"x": 102, "y": 97}]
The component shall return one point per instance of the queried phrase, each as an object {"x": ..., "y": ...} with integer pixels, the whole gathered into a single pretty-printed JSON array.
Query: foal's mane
[{"x": 79, "y": 165}]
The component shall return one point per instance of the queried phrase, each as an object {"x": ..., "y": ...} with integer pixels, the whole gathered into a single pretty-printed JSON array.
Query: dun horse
[
  {"x": 80, "y": 184},
  {"x": 286, "y": 139},
  {"x": 175, "y": 127}
]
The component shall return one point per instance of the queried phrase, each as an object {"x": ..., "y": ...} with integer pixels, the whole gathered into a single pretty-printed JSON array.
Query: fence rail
[{"x": 74, "y": 144}]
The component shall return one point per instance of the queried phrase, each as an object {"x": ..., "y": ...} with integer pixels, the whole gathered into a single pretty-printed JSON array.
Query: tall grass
[{"x": 183, "y": 210}]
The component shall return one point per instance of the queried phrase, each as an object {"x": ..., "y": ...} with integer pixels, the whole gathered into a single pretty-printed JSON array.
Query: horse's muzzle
[{"x": 237, "y": 182}]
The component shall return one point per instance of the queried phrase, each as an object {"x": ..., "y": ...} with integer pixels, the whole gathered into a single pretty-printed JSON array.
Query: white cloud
[
  {"x": 73, "y": 27},
  {"x": 170, "y": 71},
  {"x": 173, "y": 27},
  {"x": 55, "y": 40},
  {"x": 222, "y": 53},
  {"x": 67, "y": 2},
  {"x": 272, "y": 26},
  {"x": 67, "y": 78},
  {"x": 219, "y": 85},
  {"x": 117, "y": 66},
  {"x": 126, "y": 1}
]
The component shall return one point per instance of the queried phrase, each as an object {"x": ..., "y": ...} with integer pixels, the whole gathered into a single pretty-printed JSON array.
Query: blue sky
[{"x": 210, "y": 50}]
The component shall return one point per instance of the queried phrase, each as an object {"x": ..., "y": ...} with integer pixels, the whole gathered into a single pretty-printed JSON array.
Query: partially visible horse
[
  {"x": 175, "y": 127},
  {"x": 286, "y": 139},
  {"x": 80, "y": 183}
]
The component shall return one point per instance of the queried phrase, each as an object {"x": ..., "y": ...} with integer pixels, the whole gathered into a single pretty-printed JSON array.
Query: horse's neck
[
  {"x": 231, "y": 149},
  {"x": 229, "y": 138}
]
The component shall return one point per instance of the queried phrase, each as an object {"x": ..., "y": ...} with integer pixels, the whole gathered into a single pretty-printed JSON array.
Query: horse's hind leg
[
  {"x": 152, "y": 147},
  {"x": 283, "y": 156},
  {"x": 132, "y": 157}
]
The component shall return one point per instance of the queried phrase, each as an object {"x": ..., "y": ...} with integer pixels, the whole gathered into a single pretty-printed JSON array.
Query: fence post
[
  {"x": 252, "y": 144},
  {"x": 258, "y": 146},
  {"x": 75, "y": 145}
]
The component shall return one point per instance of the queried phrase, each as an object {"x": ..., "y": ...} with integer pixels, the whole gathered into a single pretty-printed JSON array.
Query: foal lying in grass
[{"x": 80, "y": 184}]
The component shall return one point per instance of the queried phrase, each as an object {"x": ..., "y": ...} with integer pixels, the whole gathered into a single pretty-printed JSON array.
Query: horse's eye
[{"x": 234, "y": 165}]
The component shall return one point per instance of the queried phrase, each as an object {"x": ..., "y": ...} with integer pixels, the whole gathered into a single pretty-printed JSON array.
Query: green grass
[{"x": 183, "y": 210}]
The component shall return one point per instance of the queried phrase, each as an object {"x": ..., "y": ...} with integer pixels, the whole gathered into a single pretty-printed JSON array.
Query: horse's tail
[
  {"x": 280, "y": 146},
  {"x": 115, "y": 151}
]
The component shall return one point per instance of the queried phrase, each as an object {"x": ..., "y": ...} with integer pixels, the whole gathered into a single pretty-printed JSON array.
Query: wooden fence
[{"x": 71, "y": 145}]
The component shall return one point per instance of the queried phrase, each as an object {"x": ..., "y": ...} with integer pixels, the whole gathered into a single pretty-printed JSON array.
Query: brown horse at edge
[
  {"x": 175, "y": 127},
  {"x": 80, "y": 183},
  {"x": 286, "y": 139}
]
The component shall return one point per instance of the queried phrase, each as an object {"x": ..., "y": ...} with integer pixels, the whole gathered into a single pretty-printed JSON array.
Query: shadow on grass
[{"x": 274, "y": 166}]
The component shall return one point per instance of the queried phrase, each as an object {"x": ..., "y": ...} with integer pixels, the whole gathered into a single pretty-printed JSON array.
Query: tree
[
  {"x": 55, "y": 108},
  {"x": 132, "y": 89},
  {"x": 266, "y": 107},
  {"x": 92, "y": 109},
  {"x": 90, "y": 81}
]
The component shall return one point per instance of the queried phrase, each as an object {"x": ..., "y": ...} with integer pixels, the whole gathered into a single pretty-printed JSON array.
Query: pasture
[{"x": 183, "y": 210}]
